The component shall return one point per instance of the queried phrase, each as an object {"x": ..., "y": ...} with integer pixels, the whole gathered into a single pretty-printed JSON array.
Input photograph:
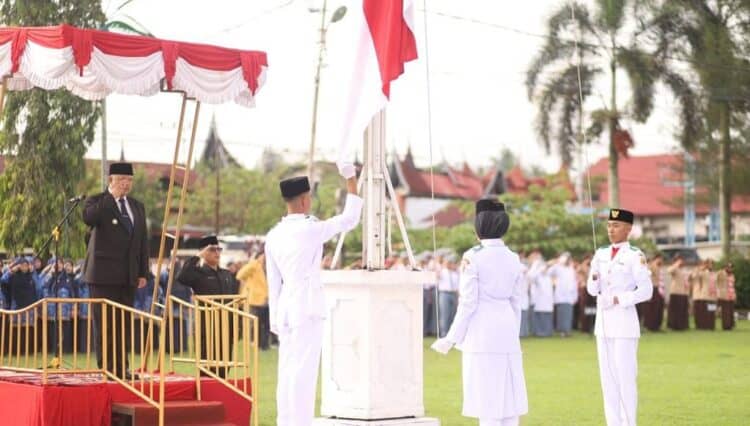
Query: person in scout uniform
[
  {"x": 704, "y": 297},
  {"x": 679, "y": 292},
  {"x": 294, "y": 250},
  {"x": 487, "y": 323},
  {"x": 724, "y": 295},
  {"x": 619, "y": 278},
  {"x": 654, "y": 308}
]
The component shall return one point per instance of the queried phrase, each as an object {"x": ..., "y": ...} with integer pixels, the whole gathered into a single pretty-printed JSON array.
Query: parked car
[{"x": 689, "y": 255}]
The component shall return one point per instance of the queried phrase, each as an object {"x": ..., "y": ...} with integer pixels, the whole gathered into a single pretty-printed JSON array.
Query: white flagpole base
[{"x": 372, "y": 345}]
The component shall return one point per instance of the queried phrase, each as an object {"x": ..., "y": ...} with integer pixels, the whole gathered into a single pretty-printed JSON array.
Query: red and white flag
[{"x": 367, "y": 51}]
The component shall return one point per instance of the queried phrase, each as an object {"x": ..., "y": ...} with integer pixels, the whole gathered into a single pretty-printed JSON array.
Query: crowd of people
[
  {"x": 554, "y": 301},
  {"x": 555, "y": 298}
]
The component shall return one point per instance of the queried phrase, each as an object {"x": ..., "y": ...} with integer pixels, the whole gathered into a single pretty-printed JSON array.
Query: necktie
[
  {"x": 614, "y": 252},
  {"x": 125, "y": 217}
]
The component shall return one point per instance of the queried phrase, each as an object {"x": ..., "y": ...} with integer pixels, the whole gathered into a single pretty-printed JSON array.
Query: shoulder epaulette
[
  {"x": 477, "y": 247},
  {"x": 634, "y": 248}
]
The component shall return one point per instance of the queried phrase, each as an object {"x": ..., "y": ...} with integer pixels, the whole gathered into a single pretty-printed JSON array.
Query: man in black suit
[{"x": 116, "y": 259}]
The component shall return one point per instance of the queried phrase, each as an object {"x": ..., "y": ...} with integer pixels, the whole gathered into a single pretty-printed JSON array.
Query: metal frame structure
[{"x": 378, "y": 195}]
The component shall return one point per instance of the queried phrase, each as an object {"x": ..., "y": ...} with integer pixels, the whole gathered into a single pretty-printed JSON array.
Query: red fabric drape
[{"x": 84, "y": 40}]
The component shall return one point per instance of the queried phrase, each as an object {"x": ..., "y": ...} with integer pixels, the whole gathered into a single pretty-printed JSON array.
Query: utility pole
[
  {"x": 337, "y": 15},
  {"x": 104, "y": 145},
  {"x": 688, "y": 185}
]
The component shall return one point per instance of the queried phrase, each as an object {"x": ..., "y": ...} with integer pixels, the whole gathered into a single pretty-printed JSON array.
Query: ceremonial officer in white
[
  {"x": 294, "y": 251},
  {"x": 619, "y": 278},
  {"x": 487, "y": 324}
]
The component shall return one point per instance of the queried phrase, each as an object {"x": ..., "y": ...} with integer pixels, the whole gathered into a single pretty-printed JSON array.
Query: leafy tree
[
  {"x": 538, "y": 219},
  {"x": 556, "y": 83},
  {"x": 710, "y": 36},
  {"x": 44, "y": 136},
  {"x": 251, "y": 202}
]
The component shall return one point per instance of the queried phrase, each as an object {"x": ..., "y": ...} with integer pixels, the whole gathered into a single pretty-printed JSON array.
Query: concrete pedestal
[{"x": 372, "y": 349}]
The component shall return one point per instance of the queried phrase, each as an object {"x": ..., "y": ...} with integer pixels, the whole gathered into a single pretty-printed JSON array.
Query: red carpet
[{"x": 82, "y": 401}]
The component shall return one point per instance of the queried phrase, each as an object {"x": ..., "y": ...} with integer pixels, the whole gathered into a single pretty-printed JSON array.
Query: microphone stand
[{"x": 55, "y": 236}]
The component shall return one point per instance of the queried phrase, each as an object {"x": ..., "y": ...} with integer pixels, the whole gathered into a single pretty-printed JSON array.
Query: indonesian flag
[{"x": 367, "y": 51}]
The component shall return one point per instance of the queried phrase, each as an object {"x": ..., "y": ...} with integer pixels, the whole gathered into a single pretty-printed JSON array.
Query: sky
[{"x": 477, "y": 53}]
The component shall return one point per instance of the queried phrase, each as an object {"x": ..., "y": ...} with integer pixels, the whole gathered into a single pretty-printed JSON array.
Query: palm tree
[
  {"x": 710, "y": 36},
  {"x": 554, "y": 82}
]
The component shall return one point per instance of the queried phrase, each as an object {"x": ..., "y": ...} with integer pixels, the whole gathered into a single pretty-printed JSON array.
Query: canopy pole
[
  {"x": 162, "y": 244},
  {"x": 176, "y": 245},
  {"x": 168, "y": 205},
  {"x": 3, "y": 85}
]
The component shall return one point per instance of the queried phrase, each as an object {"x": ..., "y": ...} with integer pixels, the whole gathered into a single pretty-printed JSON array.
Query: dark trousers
[
  {"x": 428, "y": 310},
  {"x": 678, "y": 312},
  {"x": 704, "y": 312},
  {"x": 653, "y": 311},
  {"x": 727, "y": 314},
  {"x": 263, "y": 325},
  {"x": 115, "y": 329}
]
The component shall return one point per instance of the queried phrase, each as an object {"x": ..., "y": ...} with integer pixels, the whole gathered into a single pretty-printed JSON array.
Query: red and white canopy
[{"x": 92, "y": 64}]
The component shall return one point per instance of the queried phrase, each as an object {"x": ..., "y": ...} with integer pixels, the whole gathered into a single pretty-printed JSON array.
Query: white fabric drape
[{"x": 54, "y": 68}]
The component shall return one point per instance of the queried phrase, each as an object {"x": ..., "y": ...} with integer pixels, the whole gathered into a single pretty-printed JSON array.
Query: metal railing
[
  {"x": 223, "y": 342},
  {"x": 57, "y": 337}
]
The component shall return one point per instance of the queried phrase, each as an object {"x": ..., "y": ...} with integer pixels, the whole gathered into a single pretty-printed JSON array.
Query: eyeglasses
[{"x": 215, "y": 248}]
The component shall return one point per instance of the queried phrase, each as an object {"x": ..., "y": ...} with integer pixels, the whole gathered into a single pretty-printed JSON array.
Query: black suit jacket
[
  {"x": 114, "y": 256},
  {"x": 206, "y": 281}
]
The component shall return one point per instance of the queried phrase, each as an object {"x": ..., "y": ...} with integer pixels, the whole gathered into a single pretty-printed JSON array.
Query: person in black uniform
[
  {"x": 203, "y": 274},
  {"x": 116, "y": 258}
]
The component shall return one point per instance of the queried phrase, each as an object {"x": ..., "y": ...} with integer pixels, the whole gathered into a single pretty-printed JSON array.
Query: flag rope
[
  {"x": 432, "y": 167},
  {"x": 587, "y": 166}
]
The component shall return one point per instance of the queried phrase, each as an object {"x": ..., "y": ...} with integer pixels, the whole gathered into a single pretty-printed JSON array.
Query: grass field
[{"x": 688, "y": 378}]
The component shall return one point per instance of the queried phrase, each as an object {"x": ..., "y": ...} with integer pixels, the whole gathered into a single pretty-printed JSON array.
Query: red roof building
[
  {"x": 415, "y": 187},
  {"x": 651, "y": 186}
]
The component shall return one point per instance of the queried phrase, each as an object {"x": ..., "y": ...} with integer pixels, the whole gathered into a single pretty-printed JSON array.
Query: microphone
[{"x": 77, "y": 199}]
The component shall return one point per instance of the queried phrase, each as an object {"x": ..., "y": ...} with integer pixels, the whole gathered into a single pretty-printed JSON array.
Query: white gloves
[
  {"x": 606, "y": 301},
  {"x": 442, "y": 346},
  {"x": 347, "y": 170}
]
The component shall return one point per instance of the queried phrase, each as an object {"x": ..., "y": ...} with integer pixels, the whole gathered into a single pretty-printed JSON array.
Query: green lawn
[{"x": 689, "y": 378}]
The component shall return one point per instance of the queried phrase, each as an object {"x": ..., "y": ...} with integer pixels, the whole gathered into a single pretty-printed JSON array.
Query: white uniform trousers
[
  {"x": 618, "y": 369},
  {"x": 299, "y": 361},
  {"x": 508, "y": 421}
]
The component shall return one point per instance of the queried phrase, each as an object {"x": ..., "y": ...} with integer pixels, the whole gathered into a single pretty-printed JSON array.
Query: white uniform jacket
[
  {"x": 566, "y": 288},
  {"x": 525, "y": 290},
  {"x": 294, "y": 250},
  {"x": 489, "y": 312},
  {"x": 541, "y": 287},
  {"x": 625, "y": 276}
]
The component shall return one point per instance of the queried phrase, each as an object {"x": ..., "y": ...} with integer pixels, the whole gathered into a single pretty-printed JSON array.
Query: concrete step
[{"x": 176, "y": 413}]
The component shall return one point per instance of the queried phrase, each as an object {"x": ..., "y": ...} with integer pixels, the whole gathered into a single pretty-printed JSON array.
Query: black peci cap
[
  {"x": 209, "y": 240},
  {"x": 121, "y": 169},
  {"x": 295, "y": 186},
  {"x": 489, "y": 205},
  {"x": 621, "y": 215}
]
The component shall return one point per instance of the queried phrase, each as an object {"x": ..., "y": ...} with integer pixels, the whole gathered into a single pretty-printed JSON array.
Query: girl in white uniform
[{"x": 487, "y": 324}]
